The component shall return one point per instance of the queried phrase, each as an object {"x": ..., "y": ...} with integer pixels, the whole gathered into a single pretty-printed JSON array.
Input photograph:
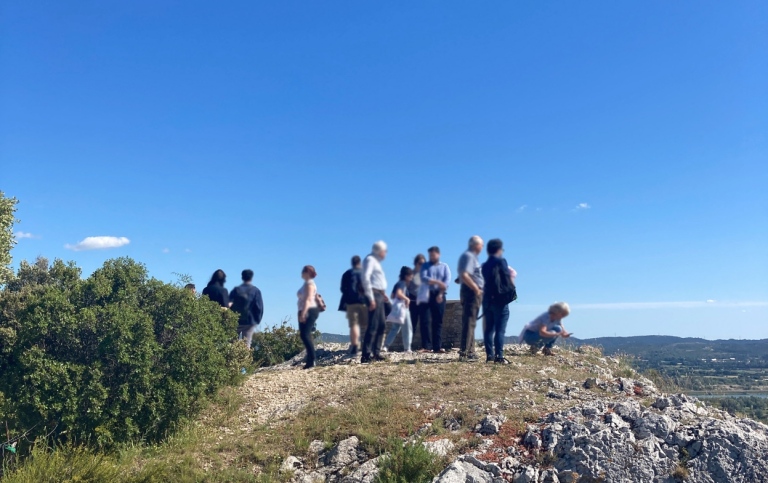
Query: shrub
[
  {"x": 276, "y": 344},
  {"x": 409, "y": 463},
  {"x": 113, "y": 358}
]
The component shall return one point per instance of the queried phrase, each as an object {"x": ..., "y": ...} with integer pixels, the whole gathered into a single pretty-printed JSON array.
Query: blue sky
[{"x": 618, "y": 148}]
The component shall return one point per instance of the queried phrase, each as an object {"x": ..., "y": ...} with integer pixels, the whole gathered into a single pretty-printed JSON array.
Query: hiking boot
[
  {"x": 353, "y": 350},
  {"x": 309, "y": 366},
  {"x": 384, "y": 349},
  {"x": 472, "y": 358},
  {"x": 379, "y": 358},
  {"x": 440, "y": 351},
  {"x": 548, "y": 352},
  {"x": 490, "y": 359},
  {"x": 501, "y": 360},
  {"x": 534, "y": 350},
  {"x": 366, "y": 359}
]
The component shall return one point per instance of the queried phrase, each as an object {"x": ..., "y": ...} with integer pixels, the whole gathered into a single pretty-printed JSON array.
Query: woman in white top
[
  {"x": 545, "y": 329},
  {"x": 308, "y": 312}
]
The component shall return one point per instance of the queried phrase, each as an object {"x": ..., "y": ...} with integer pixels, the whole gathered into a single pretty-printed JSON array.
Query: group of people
[{"x": 416, "y": 302}]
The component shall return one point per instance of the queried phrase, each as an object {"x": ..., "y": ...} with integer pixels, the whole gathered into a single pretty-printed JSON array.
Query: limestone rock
[{"x": 491, "y": 424}]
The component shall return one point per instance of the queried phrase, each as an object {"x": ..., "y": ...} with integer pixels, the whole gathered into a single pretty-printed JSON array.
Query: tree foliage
[
  {"x": 7, "y": 240},
  {"x": 112, "y": 358}
]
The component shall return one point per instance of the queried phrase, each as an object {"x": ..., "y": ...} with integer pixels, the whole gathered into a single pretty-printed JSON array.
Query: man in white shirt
[{"x": 375, "y": 287}]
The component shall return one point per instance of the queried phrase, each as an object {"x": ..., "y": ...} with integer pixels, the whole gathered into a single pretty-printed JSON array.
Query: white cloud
[
  {"x": 98, "y": 243},
  {"x": 668, "y": 305},
  {"x": 582, "y": 206},
  {"x": 23, "y": 234},
  {"x": 522, "y": 208},
  {"x": 166, "y": 250}
]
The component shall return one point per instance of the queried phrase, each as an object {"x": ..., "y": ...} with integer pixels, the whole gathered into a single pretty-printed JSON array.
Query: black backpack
[
  {"x": 356, "y": 286},
  {"x": 505, "y": 292},
  {"x": 241, "y": 300}
]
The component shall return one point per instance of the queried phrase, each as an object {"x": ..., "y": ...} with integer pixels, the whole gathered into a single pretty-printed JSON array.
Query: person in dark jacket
[
  {"x": 246, "y": 300},
  {"x": 215, "y": 289},
  {"x": 495, "y": 306},
  {"x": 353, "y": 302}
]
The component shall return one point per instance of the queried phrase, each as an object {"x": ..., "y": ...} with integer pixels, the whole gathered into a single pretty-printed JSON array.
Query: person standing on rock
[
  {"x": 246, "y": 301},
  {"x": 402, "y": 321},
  {"x": 435, "y": 277},
  {"x": 215, "y": 289},
  {"x": 353, "y": 302},
  {"x": 308, "y": 312},
  {"x": 375, "y": 288},
  {"x": 545, "y": 329},
  {"x": 471, "y": 294},
  {"x": 498, "y": 292}
]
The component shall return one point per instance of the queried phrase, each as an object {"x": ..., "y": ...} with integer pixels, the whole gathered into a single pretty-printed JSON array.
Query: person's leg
[
  {"x": 501, "y": 330},
  {"x": 471, "y": 345},
  {"x": 488, "y": 330},
  {"x": 413, "y": 309},
  {"x": 248, "y": 335},
  {"x": 424, "y": 318},
  {"x": 465, "y": 298},
  {"x": 394, "y": 329},
  {"x": 369, "y": 334},
  {"x": 379, "y": 323},
  {"x": 532, "y": 338},
  {"x": 437, "y": 311},
  {"x": 354, "y": 327},
  {"x": 407, "y": 333},
  {"x": 305, "y": 332}
]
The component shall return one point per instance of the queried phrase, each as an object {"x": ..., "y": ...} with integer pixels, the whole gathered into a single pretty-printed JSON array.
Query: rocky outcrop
[
  {"x": 675, "y": 439},
  {"x": 346, "y": 462}
]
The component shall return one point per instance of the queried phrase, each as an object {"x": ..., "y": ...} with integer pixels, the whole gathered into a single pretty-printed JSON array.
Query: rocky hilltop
[{"x": 575, "y": 417}]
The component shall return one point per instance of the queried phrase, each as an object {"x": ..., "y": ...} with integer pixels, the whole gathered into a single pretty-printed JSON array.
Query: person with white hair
[
  {"x": 545, "y": 329},
  {"x": 470, "y": 295},
  {"x": 375, "y": 288}
]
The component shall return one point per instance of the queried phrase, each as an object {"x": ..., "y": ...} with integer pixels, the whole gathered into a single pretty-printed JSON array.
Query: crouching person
[{"x": 544, "y": 331}]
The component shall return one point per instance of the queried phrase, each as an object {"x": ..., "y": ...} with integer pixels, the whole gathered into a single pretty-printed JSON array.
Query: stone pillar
[{"x": 451, "y": 329}]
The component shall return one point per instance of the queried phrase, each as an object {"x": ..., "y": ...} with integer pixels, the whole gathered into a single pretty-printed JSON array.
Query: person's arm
[
  {"x": 225, "y": 298},
  {"x": 446, "y": 278},
  {"x": 401, "y": 295},
  {"x": 258, "y": 306},
  {"x": 366, "y": 280}
]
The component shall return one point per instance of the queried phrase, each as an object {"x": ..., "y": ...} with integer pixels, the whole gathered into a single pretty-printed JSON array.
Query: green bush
[
  {"x": 409, "y": 463},
  {"x": 113, "y": 358},
  {"x": 276, "y": 344}
]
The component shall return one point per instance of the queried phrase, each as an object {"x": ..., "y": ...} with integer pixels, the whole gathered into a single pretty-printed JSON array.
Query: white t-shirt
[{"x": 302, "y": 294}]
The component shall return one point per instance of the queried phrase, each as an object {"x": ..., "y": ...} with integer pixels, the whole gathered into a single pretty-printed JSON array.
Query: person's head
[
  {"x": 476, "y": 244},
  {"x": 559, "y": 310},
  {"x": 406, "y": 274},
  {"x": 355, "y": 262},
  {"x": 495, "y": 247},
  {"x": 191, "y": 287},
  {"x": 308, "y": 272},
  {"x": 247, "y": 275},
  {"x": 419, "y": 261},
  {"x": 434, "y": 254},
  {"x": 219, "y": 277},
  {"x": 380, "y": 249}
]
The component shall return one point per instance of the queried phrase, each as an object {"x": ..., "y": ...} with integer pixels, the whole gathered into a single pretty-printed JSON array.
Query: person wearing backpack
[
  {"x": 498, "y": 292},
  {"x": 246, "y": 300},
  {"x": 353, "y": 302}
]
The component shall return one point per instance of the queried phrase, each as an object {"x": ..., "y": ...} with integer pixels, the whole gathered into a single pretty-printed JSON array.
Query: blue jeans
[
  {"x": 535, "y": 339},
  {"x": 494, "y": 328},
  {"x": 407, "y": 333}
]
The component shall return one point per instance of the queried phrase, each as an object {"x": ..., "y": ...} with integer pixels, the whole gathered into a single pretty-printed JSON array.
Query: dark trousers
[
  {"x": 374, "y": 334},
  {"x": 496, "y": 317},
  {"x": 431, "y": 320},
  {"x": 470, "y": 305},
  {"x": 305, "y": 332}
]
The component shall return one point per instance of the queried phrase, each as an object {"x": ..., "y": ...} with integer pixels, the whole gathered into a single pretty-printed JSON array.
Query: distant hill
[{"x": 334, "y": 338}]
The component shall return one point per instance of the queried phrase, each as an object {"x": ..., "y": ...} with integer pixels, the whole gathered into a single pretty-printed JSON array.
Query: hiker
[
  {"x": 471, "y": 295},
  {"x": 215, "y": 289},
  {"x": 353, "y": 303},
  {"x": 498, "y": 292},
  {"x": 308, "y": 312},
  {"x": 190, "y": 287},
  {"x": 413, "y": 292},
  {"x": 435, "y": 277},
  {"x": 400, "y": 317},
  {"x": 246, "y": 301},
  {"x": 545, "y": 329},
  {"x": 374, "y": 286}
]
